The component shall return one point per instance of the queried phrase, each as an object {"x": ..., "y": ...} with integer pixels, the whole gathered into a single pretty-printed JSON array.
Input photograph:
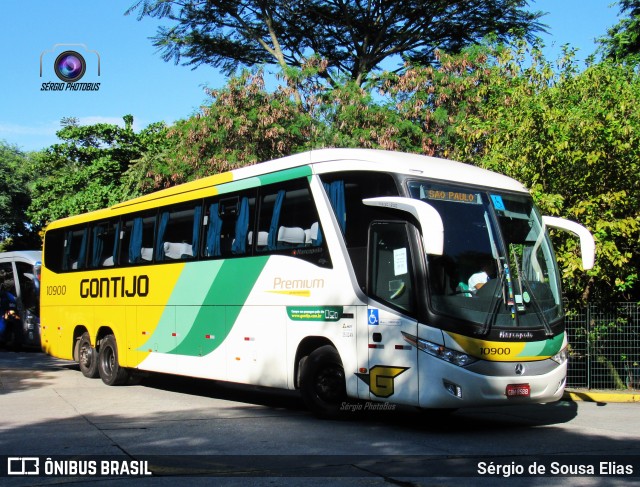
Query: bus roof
[
  {"x": 413, "y": 164},
  {"x": 31, "y": 256},
  {"x": 316, "y": 161}
]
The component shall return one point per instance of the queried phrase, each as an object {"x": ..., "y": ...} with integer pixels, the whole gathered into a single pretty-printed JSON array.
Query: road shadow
[
  {"x": 30, "y": 369},
  {"x": 262, "y": 396},
  {"x": 471, "y": 419}
]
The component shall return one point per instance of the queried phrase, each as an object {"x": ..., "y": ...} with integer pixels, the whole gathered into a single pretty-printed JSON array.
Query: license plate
[{"x": 518, "y": 390}]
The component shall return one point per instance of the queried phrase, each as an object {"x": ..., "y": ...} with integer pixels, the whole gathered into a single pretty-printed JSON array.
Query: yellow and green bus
[{"x": 348, "y": 274}]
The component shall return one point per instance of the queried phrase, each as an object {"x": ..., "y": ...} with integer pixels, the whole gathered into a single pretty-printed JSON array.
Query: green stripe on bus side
[
  {"x": 276, "y": 177},
  {"x": 217, "y": 290},
  {"x": 221, "y": 306},
  {"x": 191, "y": 287},
  {"x": 235, "y": 186}
]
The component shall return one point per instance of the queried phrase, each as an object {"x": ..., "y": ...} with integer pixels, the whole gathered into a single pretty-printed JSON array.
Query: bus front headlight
[
  {"x": 447, "y": 354},
  {"x": 561, "y": 357}
]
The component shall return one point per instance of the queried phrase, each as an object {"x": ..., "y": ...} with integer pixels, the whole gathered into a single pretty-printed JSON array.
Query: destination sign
[{"x": 454, "y": 196}]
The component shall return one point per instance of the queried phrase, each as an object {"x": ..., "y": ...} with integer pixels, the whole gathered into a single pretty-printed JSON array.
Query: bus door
[{"x": 393, "y": 373}]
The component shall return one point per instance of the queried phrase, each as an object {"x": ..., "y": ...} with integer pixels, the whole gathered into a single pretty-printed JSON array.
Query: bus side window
[
  {"x": 345, "y": 191},
  {"x": 75, "y": 249},
  {"x": 178, "y": 233},
  {"x": 54, "y": 250},
  {"x": 136, "y": 244},
  {"x": 390, "y": 265},
  {"x": 104, "y": 244},
  {"x": 227, "y": 225},
  {"x": 288, "y": 223}
]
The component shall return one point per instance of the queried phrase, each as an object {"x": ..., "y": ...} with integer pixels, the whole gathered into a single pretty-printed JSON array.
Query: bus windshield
[{"x": 497, "y": 269}]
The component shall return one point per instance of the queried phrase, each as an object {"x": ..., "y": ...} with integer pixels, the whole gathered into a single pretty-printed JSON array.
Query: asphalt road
[{"x": 207, "y": 433}]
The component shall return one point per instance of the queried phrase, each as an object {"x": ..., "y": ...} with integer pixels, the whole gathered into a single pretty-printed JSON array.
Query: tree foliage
[
  {"x": 85, "y": 171},
  {"x": 573, "y": 138},
  {"x": 570, "y": 135},
  {"x": 15, "y": 231},
  {"x": 354, "y": 37},
  {"x": 622, "y": 42},
  {"x": 244, "y": 124}
]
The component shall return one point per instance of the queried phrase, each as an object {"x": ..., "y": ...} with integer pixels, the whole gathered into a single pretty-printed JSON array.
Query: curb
[{"x": 601, "y": 396}]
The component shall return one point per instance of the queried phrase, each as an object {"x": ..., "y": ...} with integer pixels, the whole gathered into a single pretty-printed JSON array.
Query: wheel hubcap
[
  {"x": 85, "y": 355},
  {"x": 329, "y": 384}
]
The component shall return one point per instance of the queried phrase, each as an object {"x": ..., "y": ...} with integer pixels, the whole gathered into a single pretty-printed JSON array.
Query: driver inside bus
[{"x": 479, "y": 279}]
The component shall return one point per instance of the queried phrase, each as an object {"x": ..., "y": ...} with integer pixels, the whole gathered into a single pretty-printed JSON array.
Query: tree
[
  {"x": 15, "y": 231},
  {"x": 622, "y": 43},
  {"x": 244, "y": 124},
  {"x": 572, "y": 137},
  {"x": 84, "y": 172},
  {"x": 354, "y": 37}
]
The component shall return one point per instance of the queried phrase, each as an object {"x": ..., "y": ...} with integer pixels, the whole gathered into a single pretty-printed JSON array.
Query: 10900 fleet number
[
  {"x": 495, "y": 351},
  {"x": 56, "y": 290}
]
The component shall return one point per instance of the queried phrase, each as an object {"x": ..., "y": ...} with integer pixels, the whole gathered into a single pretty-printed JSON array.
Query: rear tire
[
  {"x": 322, "y": 382},
  {"x": 87, "y": 357},
  {"x": 110, "y": 370}
]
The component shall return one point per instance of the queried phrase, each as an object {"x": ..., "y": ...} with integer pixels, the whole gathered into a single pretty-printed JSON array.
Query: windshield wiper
[
  {"x": 526, "y": 287},
  {"x": 492, "y": 313}
]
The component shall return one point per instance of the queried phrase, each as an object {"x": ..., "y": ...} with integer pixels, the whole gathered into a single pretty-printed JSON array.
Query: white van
[{"x": 20, "y": 275}]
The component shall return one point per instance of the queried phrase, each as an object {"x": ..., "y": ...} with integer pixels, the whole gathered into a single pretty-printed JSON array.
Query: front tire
[
  {"x": 110, "y": 370},
  {"x": 322, "y": 382},
  {"x": 87, "y": 357}
]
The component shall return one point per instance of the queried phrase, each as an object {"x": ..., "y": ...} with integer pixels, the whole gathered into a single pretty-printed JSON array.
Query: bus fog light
[{"x": 453, "y": 389}]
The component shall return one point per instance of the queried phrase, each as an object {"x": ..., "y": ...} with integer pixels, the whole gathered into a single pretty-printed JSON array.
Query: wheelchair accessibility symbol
[{"x": 374, "y": 318}]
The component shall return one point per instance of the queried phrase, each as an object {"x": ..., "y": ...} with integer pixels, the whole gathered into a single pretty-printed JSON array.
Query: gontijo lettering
[{"x": 115, "y": 287}]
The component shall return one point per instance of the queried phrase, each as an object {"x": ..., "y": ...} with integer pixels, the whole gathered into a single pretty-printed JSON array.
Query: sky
[{"x": 133, "y": 78}]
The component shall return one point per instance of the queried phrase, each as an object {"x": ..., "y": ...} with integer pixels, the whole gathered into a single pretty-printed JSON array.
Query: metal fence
[{"x": 604, "y": 344}]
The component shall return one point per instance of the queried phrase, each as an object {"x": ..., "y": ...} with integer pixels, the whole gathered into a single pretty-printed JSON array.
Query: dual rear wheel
[
  {"x": 322, "y": 379},
  {"x": 102, "y": 362},
  {"x": 87, "y": 357}
]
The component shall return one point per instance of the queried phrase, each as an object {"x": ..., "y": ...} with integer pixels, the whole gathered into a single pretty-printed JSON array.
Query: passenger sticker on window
[
  {"x": 400, "y": 261},
  {"x": 497, "y": 202}
]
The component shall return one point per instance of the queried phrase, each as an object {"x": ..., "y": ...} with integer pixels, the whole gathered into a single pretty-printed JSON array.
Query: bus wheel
[
  {"x": 110, "y": 371},
  {"x": 87, "y": 357},
  {"x": 322, "y": 382}
]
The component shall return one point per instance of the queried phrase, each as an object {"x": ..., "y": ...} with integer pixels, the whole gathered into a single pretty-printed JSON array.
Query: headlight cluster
[
  {"x": 562, "y": 356},
  {"x": 452, "y": 356}
]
